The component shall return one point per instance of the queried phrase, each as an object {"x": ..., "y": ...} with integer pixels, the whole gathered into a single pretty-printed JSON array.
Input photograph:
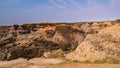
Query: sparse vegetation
[
  {"x": 108, "y": 60},
  {"x": 86, "y": 61},
  {"x": 100, "y": 61},
  {"x": 112, "y": 60}
]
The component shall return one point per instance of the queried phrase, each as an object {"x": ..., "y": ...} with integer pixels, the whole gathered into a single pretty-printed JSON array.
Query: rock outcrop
[{"x": 101, "y": 47}]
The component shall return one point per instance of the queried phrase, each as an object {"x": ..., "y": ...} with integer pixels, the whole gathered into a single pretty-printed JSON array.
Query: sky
[{"x": 35, "y": 11}]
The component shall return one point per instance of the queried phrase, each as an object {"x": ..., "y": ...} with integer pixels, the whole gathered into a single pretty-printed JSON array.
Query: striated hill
[
  {"x": 41, "y": 40},
  {"x": 101, "y": 47}
]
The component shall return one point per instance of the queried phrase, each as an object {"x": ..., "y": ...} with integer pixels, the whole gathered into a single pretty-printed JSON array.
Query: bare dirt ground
[
  {"x": 83, "y": 65},
  {"x": 51, "y": 63},
  {"x": 32, "y": 63}
]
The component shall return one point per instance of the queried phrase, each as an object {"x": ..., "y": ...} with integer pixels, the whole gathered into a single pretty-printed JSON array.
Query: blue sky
[{"x": 30, "y": 11}]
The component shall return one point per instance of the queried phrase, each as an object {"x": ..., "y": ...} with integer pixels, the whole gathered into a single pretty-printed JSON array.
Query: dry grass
[
  {"x": 83, "y": 65},
  {"x": 54, "y": 63}
]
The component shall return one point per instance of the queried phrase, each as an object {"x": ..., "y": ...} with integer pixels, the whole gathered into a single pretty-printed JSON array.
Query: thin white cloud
[
  {"x": 63, "y": 2},
  {"x": 56, "y": 4},
  {"x": 73, "y": 2}
]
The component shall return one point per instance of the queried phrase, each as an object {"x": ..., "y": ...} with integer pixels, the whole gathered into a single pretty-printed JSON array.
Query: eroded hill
[
  {"x": 45, "y": 39},
  {"x": 101, "y": 47}
]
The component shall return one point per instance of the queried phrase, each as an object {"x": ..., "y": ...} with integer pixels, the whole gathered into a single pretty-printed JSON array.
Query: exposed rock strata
[
  {"x": 104, "y": 46},
  {"x": 32, "y": 40}
]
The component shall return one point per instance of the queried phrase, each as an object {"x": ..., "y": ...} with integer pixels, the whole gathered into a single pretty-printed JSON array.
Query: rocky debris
[
  {"x": 101, "y": 47},
  {"x": 54, "y": 54}
]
